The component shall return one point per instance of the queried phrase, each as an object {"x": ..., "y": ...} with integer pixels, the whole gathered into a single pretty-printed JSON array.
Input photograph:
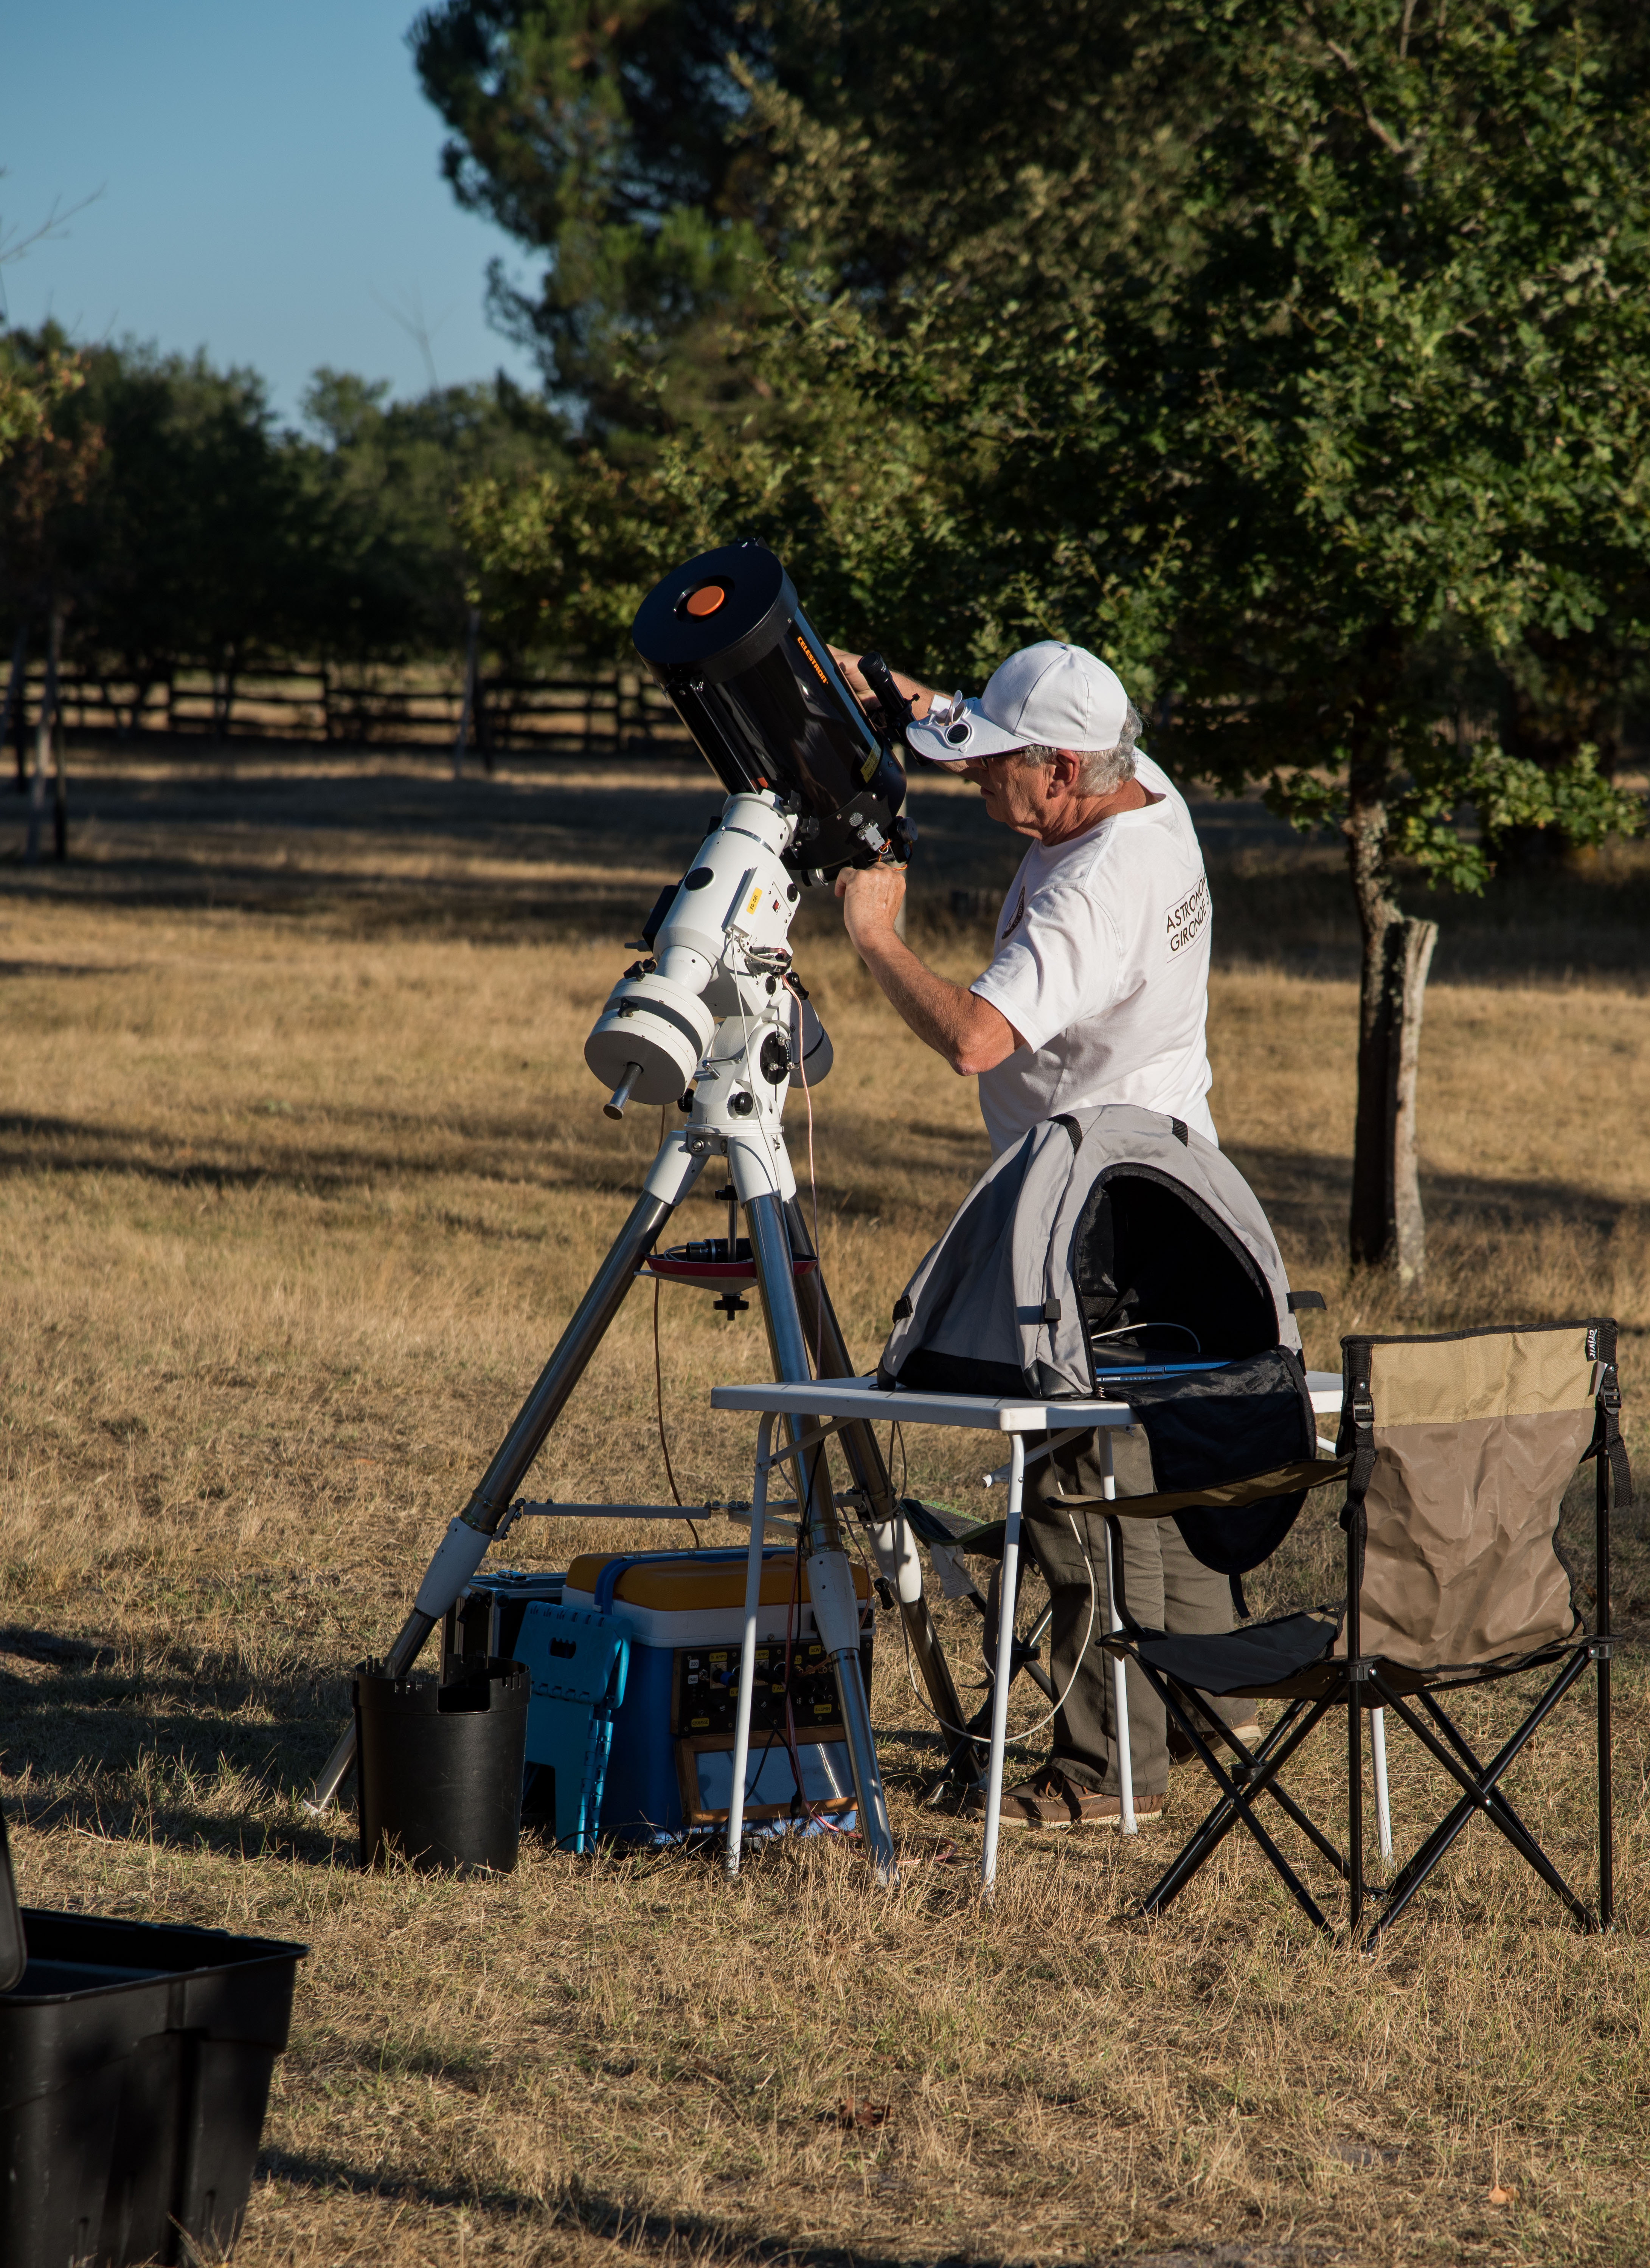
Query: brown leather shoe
[
  {"x": 1050, "y": 1798},
  {"x": 1107, "y": 1810}
]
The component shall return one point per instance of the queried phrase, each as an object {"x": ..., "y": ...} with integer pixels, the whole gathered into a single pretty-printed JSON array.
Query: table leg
[
  {"x": 748, "y": 1651},
  {"x": 1126, "y": 1819},
  {"x": 1005, "y": 1657},
  {"x": 1378, "y": 1761}
]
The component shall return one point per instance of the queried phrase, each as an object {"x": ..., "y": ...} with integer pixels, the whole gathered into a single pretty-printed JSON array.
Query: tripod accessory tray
[{"x": 670, "y": 1771}]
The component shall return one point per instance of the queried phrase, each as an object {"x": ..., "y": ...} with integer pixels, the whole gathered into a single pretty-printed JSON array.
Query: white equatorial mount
[{"x": 712, "y": 1009}]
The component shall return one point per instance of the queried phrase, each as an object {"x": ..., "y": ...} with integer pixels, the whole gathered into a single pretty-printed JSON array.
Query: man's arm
[{"x": 971, "y": 1034}]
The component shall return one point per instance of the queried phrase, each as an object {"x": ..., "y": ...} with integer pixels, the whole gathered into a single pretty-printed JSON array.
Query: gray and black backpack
[{"x": 1113, "y": 1251}]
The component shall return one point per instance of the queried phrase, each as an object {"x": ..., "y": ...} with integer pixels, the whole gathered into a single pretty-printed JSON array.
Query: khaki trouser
[{"x": 1163, "y": 1588}]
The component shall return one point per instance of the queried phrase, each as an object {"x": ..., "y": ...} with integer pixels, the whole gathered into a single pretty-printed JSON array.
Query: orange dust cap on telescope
[{"x": 706, "y": 599}]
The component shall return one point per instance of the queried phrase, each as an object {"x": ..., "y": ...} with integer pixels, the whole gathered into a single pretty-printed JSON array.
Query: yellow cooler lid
[{"x": 688, "y": 1586}]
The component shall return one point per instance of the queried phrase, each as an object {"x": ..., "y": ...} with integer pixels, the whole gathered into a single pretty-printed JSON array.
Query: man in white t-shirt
[{"x": 1097, "y": 992}]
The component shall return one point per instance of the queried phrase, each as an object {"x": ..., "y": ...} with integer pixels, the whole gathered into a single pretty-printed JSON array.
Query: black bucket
[
  {"x": 439, "y": 1766},
  {"x": 134, "y": 2065}
]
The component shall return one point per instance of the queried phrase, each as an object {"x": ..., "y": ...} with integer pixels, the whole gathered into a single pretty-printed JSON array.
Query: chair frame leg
[
  {"x": 1252, "y": 1762},
  {"x": 1610, "y": 1405},
  {"x": 1356, "y": 1674},
  {"x": 1479, "y": 1795},
  {"x": 1237, "y": 1801},
  {"x": 1499, "y": 1801},
  {"x": 1606, "y": 1806}
]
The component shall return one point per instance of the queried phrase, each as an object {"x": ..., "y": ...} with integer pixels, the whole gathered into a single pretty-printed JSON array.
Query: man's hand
[
  {"x": 849, "y": 665},
  {"x": 872, "y": 897},
  {"x": 919, "y": 695},
  {"x": 971, "y": 1034}
]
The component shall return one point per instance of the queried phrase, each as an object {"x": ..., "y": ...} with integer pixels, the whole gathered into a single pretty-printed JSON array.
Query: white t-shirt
[{"x": 1102, "y": 968}]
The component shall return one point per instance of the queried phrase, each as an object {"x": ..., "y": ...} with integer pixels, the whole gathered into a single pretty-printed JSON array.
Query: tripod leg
[
  {"x": 830, "y": 1577},
  {"x": 886, "y": 1528},
  {"x": 464, "y": 1546}
]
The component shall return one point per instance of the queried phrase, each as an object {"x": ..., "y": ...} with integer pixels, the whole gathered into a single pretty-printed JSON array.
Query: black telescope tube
[{"x": 726, "y": 639}]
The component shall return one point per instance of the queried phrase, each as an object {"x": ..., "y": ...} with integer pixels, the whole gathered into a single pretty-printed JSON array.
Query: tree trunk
[
  {"x": 60, "y": 789},
  {"x": 483, "y": 722},
  {"x": 43, "y": 733},
  {"x": 16, "y": 695},
  {"x": 133, "y": 726},
  {"x": 471, "y": 664},
  {"x": 223, "y": 702},
  {"x": 1388, "y": 1229}
]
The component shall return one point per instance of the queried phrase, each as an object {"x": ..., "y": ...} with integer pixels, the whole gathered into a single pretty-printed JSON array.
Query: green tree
[
  {"x": 1403, "y": 437},
  {"x": 30, "y": 387},
  {"x": 48, "y": 450},
  {"x": 48, "y": 455},
  {"x": 1363, "y": 445},
  {"x": 617, "y": 142},
  {"x": 387, "y": 574},
  {"x": 186, "y": 546},
  {"x": 1294, "y": 356}
]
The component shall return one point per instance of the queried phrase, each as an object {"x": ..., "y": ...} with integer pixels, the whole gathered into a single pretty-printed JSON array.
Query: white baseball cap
[{"x": 1046, "y": 696}]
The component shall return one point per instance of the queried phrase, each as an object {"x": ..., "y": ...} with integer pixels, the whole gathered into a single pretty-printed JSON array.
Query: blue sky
[{"x": 270, "y": 188}]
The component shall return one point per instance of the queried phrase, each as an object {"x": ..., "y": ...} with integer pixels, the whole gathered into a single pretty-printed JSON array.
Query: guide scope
[{"x": 726, "y": 638}]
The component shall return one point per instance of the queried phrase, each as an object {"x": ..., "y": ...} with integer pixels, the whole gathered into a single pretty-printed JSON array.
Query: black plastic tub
[
  {"x": 135, "y": 2064},
  {"x": 438, "y": 1767}
]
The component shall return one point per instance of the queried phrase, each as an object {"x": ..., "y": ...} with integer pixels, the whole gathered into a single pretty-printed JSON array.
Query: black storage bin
[
  {"x": 135, "y": 2065},
  {"x": 438, "y": 1767}
]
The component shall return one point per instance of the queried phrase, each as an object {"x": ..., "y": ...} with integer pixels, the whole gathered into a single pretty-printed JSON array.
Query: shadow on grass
[
  {"x": 1299, "y": 1187},
  {"x": 122, "y": 1751},
  {"x": 160, "y": 829},
  {"x": 33, "y": 1144},
  {"x": 702, "y": 2236}
]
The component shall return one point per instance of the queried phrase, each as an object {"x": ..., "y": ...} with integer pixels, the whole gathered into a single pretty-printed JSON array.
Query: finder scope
[{"x": 726, "y": 638}]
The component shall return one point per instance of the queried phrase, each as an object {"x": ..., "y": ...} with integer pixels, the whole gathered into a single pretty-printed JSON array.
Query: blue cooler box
[{"x": 669, "y": 1760}]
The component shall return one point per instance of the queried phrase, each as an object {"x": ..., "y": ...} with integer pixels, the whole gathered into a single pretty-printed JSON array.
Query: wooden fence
[{"x": 557, "y": 711}]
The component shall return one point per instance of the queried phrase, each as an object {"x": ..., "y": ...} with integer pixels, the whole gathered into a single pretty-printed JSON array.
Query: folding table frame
[{"x": 824, "y": 1408}]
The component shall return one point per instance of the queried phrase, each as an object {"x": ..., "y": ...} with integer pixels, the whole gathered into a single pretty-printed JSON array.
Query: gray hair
[{"x": 1100, "y": 770}]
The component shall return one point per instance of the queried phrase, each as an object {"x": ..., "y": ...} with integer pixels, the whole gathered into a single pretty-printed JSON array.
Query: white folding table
[{"x": 823, "y": 1406}]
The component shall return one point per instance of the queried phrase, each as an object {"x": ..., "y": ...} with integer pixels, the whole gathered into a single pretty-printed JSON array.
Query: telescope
[
  {"x": 713, "y": 1019},
  {"x": 813, "y": 789},
  {"x": 727, "y": 641}
]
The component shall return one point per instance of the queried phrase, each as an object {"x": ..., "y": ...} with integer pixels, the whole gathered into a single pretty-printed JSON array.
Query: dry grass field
[{"x": 300, "y": 1174}]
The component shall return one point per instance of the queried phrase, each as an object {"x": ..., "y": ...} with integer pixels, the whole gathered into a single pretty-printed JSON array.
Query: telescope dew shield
[{"x": 726, "y": 639}]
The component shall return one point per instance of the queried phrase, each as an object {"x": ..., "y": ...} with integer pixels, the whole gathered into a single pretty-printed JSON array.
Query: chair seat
[{"x": 1290, "y": 1654}]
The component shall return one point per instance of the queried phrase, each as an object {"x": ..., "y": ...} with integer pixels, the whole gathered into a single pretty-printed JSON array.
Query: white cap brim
[{"x": 967, "y": 734}]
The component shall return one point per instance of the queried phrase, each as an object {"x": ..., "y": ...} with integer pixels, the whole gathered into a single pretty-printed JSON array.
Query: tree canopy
[
  {"x": 619, "y": 143},
  {"x": 161, "y": 501}
]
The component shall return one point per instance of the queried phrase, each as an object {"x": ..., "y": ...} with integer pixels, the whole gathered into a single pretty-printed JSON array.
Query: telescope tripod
[{"x": 800, "y": 1318}]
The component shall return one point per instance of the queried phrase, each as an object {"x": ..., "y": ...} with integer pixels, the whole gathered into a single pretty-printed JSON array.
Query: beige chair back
[{"x": 1474, "y": 1439}]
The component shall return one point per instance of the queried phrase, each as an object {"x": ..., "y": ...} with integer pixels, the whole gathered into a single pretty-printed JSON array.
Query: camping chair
[{"x": 1458, "y": 1450}]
